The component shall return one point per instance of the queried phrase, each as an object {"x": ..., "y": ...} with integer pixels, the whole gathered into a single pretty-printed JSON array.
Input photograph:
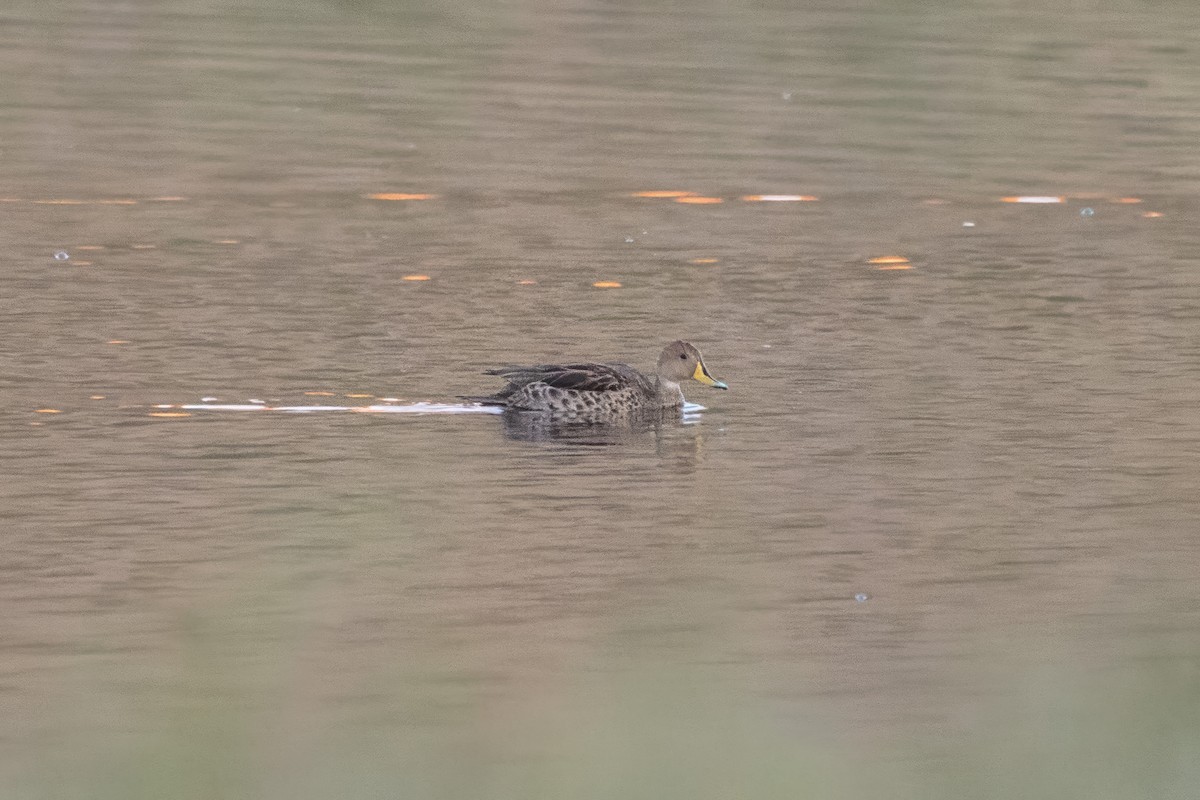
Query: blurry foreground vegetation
[{"x": 630, "y": 731}]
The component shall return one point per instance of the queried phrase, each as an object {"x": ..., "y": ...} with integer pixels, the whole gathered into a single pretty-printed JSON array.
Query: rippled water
[{"x": 939, "y": 539}]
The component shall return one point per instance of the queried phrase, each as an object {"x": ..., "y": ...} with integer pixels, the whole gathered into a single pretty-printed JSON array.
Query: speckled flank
[
  {"x": 578, "y": 405},
  {"x": 597, "y": 393}
]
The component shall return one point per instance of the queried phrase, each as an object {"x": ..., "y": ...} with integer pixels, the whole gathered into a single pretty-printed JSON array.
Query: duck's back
[{"x": 584, "y": 392}]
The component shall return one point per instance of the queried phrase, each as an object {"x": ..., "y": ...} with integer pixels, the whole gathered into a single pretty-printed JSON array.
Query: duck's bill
[{"x": 701, "y": 374}]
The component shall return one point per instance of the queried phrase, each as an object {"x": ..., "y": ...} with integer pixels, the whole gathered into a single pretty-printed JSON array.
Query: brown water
[{"x": 940, "y": 538}]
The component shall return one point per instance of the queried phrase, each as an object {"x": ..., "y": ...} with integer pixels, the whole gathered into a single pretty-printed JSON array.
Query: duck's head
[{"x": 680, "y": 361}]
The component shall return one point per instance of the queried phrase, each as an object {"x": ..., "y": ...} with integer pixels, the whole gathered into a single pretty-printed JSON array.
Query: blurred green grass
[{"x": 213, "y": 728}]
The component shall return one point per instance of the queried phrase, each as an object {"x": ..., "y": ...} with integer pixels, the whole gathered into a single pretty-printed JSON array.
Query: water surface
[{"x": 939, "y": 539}]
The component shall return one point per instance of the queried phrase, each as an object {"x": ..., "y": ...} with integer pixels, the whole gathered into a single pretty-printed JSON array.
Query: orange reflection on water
[
  {"x": 117, "y": 341},
  {"x": 318, "y": 394},
  {"x": 170, "y": 414},
  {"x": 704, "y": 261},
  {"x": 1152, "y": 214},
  {"x": 526, "y": 282},
  {"x": 48, "y": 411},
  {"x": 71, "y": 201},
  {"x": 607, "y": 284},
  {"x": 780, "y": 198},
  {"x": 415, "y": 278},
  {"x": 890, "y": 262},
  {"x": 697, "y": 200},
  {"x": 400, "y": 196},
  {"x": 1031, "y": 198},
  {"x": 1128, "y": 201}
]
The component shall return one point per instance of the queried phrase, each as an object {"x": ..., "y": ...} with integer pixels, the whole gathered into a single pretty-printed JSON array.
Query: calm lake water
[{"x": 939, "y": 540}]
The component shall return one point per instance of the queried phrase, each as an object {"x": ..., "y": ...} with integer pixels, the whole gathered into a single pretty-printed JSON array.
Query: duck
[{"x": 598, "y": 393}]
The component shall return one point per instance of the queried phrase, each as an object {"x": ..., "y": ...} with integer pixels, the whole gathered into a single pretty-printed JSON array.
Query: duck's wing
[{"x": 580, "y": 377}]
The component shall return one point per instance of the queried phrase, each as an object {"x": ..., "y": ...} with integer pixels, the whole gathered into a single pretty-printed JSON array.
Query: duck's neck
[{"x": 669, "y": 393}]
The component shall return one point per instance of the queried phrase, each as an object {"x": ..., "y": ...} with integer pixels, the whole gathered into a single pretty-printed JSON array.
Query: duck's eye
[{"x": 683, "y": 356}]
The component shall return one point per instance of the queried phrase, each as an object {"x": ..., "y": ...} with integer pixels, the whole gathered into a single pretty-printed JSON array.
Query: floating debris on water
[{"x": 61, "y": 255}]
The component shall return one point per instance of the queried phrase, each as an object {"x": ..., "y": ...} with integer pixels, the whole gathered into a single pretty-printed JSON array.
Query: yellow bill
[{"x": 701, "y": 375}]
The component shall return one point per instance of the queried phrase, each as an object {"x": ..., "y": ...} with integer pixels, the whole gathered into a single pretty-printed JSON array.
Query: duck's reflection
[
  {"x": 534, "y": 427},
  {"x": 675, "y": 436}
]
